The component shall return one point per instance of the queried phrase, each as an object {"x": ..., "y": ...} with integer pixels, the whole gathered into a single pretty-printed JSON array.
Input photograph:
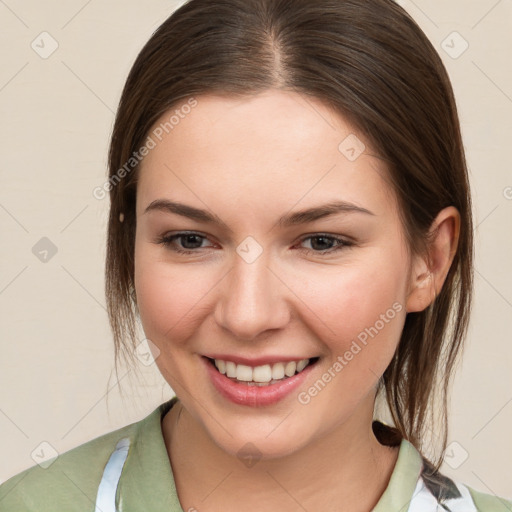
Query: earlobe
[{"x": 429, "y": 272}]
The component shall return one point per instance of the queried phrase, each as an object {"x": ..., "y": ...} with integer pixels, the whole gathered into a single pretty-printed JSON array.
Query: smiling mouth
[{"x": 263, "y": 375}]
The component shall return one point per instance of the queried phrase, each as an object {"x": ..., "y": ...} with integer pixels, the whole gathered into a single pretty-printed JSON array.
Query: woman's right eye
[{"x": 189, "y": 242}]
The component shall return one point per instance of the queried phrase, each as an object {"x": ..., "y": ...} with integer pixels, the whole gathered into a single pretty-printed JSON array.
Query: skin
[{"x": 249, "y": 161}]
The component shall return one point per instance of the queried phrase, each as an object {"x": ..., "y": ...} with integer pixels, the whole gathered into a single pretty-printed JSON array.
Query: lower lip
[{"x": 255, "y": 396}]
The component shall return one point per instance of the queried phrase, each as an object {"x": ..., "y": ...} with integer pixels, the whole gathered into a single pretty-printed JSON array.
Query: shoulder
[
  {"x": 489, "y": 503},
  {"x": 417, "y": 482},
  {"x": 70, "y": 480},
  {"x": 455, "y": 496}
]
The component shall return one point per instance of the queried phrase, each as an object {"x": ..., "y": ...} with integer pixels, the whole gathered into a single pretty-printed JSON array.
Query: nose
[{"x": 253, "y": 300}]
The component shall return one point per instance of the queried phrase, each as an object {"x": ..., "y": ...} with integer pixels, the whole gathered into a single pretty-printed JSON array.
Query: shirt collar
[{"x": 147, "y": 481}]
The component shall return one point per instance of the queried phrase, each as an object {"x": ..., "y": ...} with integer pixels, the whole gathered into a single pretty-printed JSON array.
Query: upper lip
[{"x": 256, "y": 361}]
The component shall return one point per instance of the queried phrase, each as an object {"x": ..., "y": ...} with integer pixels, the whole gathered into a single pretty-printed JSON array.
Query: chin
[
  {"x": 251, "y": 449},
  {"x": 255, "y": 440}
]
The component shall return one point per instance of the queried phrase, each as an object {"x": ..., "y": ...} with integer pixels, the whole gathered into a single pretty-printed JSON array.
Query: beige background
[{"x": 56, "y": 115}]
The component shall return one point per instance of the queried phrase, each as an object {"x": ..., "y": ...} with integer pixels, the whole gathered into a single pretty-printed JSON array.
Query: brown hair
[{"x": 370, "y": 62}]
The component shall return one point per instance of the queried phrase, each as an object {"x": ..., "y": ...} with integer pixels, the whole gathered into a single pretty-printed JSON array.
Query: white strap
[{"x": 106, "y": 498}]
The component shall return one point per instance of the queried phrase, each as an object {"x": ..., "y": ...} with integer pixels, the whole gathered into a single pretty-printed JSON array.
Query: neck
[{"x": 347, "y": 469}]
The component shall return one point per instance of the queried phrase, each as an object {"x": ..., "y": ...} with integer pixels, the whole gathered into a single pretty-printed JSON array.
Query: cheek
[
  {"x": 361, "y": 304},
  {"x": 169, "y": 297}
]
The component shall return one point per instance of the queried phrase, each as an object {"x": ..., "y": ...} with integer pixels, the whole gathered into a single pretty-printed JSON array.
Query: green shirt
[{"x": 146, "y": 484}]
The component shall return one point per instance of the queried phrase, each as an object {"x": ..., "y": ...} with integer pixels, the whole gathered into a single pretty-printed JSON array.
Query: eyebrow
[{"x": 288, "y": 220}]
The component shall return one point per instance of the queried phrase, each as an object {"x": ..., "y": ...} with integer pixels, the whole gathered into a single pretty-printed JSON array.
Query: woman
[{"x": 291, "y": 222}]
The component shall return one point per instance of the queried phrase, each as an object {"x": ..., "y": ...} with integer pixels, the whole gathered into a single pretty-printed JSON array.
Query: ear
[{"x": 429, "y": 271}]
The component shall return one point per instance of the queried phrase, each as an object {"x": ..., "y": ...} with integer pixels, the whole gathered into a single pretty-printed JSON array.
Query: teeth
[
  {"x": 260, "y": 375},
  {"x": 290, "y": 368},
  {"x": 278, "y": 371},
  {"x": 230, "y": 369},
  {"x": 243, "y": 372},
  {"x": 221, "y": 366},
  {"x": 302, "y": 364}
]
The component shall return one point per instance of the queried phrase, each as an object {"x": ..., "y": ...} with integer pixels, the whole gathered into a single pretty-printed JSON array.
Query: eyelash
[{"x": 167, "y": 241}]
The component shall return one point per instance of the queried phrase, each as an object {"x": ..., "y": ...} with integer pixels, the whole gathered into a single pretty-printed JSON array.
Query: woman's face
[{"x": 263, "y": 285}]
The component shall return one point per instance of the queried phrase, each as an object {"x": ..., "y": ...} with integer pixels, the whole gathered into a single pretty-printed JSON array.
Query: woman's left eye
[
  {"x": 191, "y": 242},
  {"x": 334, "y": 244}
]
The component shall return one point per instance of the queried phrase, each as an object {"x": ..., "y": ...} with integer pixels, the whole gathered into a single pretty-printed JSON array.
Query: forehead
[{"x": 274, "y": 146}]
